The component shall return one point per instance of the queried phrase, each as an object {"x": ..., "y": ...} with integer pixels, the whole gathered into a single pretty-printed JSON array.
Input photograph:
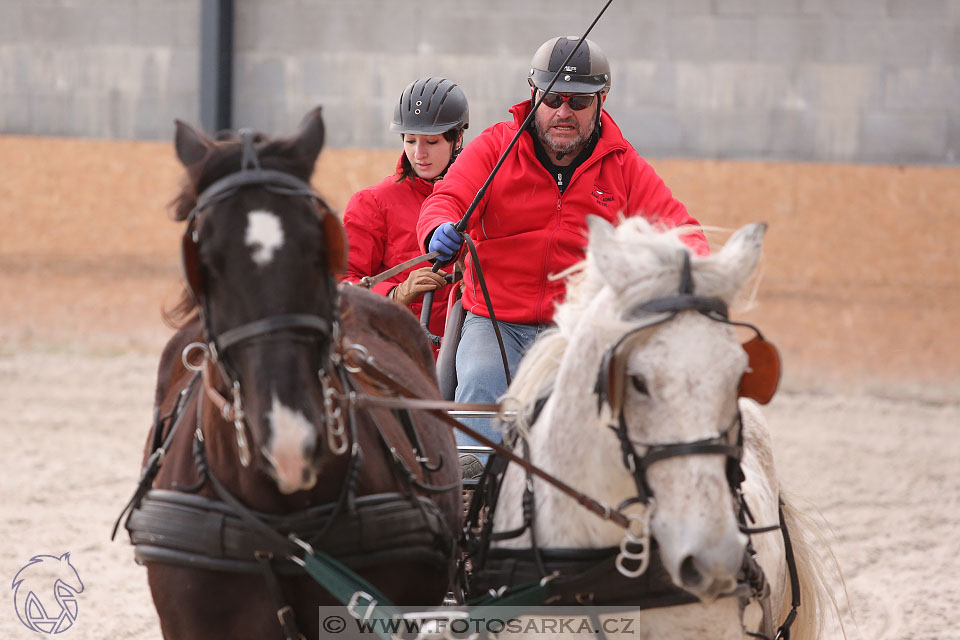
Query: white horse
[{"x": 681, "y": 383}]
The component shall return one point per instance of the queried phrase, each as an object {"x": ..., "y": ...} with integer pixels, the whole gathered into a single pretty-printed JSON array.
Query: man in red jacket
[{"x": 572, "y": 162}]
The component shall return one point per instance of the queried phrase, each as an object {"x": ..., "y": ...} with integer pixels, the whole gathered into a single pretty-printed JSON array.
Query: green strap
[
  {"x": 366, "y": 602},
  {"x": 362, "y": 599},
  {"x": 524, "y": 595}
]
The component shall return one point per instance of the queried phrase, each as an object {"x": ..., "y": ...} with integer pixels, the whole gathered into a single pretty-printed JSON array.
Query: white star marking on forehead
[{"x": 264, "y": 235}]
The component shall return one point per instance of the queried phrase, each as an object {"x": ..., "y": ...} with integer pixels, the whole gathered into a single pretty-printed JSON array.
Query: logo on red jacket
[{"x": 603, "y": 196}]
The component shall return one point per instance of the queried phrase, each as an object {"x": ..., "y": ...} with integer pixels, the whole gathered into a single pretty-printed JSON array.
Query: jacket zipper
[
  {"x": 546, "y": 259},
  {"x": 543, "y": 274}
]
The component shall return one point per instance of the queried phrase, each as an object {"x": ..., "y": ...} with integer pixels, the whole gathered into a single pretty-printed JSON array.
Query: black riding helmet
[
  {"x": 587, "y": 72},
  {"x": 431, "y": 106}
]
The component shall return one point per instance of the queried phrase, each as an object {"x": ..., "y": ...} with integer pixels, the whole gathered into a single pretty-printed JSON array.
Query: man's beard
[{"x": 564, "y": 147}]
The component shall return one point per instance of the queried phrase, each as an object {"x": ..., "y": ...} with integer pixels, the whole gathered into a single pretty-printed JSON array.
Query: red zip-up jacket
[
  {"x": 380, "y": 222},
  {"x": 526, "y": 230}
]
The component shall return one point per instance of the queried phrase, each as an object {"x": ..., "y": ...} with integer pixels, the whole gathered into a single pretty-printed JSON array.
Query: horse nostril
[{"x": 689, "y": 573}]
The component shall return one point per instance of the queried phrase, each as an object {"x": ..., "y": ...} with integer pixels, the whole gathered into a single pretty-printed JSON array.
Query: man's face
[{"x": 563, "y": 129}]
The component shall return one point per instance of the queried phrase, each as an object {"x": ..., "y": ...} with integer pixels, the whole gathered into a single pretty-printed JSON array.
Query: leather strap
[
  {"x": 154, "y": 462},
  {"x": 224, "y": 406},
  {"x": 413, "y": 403},
  {"x": 370, "y": 281},
  {"x": 285, "y": 613},
  {"x": 270, "y": 179},
  {"x": 270, "y": 324},
  {"x": 368, "y": 367},
  {"x": 685, "y": 302}
]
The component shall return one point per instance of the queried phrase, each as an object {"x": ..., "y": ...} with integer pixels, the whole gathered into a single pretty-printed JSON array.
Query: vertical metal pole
[{"x": 216, "y": 65}]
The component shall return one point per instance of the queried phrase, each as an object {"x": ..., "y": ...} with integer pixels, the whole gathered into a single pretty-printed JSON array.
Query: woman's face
[{"x": 428, "y": 155}]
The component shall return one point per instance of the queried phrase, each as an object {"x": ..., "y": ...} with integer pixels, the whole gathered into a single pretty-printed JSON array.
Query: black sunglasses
[{"x": 577, "y": 101}]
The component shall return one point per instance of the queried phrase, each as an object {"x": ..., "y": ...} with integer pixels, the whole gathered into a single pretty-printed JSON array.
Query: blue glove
[{"x": 446, "y": 240}]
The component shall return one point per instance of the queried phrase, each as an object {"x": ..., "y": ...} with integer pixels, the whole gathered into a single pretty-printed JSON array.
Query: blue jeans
[{"x": 480, "y": 376}]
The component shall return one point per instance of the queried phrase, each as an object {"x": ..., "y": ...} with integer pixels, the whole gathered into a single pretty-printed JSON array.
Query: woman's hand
[{"x": 417, "y": 283}]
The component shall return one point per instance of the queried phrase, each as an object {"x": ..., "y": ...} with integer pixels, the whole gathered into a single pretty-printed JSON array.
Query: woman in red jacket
[{"x": 381, "y": 220}]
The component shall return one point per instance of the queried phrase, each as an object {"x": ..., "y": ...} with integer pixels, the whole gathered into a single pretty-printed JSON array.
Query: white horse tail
[{"x": 810, "y": 550}]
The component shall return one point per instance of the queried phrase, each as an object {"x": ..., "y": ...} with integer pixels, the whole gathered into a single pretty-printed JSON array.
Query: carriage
[{"x": 302, "y": 455}]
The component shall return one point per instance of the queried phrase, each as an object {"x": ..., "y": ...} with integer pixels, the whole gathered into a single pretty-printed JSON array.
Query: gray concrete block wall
[
  {"x": 820, "y": 80},
  {"x": 97, "y": 68}
]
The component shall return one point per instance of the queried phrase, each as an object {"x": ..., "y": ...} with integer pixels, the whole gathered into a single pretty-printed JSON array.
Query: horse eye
[{"x": 639, "y": 383}]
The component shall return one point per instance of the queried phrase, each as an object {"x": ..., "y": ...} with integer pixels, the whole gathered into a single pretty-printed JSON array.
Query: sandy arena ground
[
  {"x": 882, "y": 473},
  {"x": 82, "y": 280}
]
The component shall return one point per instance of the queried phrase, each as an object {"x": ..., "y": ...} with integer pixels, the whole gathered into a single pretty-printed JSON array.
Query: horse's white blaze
[
  {"x": 264, "y": 236},
  {"x": 292, "y": 438}
]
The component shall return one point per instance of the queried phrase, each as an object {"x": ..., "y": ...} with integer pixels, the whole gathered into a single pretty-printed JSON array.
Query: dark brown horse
[{"x": 265, "y": 445}]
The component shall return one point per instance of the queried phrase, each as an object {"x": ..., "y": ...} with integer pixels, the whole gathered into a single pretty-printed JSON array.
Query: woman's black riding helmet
[{"x": 432, "y": 106}]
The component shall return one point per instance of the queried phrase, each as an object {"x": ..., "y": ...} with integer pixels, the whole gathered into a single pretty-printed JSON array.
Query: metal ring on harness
[
  {"x": 364, "y": 357},
  {"x": 190, "y": 348}
]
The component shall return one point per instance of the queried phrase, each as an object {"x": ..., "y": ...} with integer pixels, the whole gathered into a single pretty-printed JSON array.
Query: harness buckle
[
  {"x": 640, "y": 539},
  {"x": 297, "y": 560},
  {"x": 545, "y": 579},
  {"x": 437, "y": 624},
  {"x": 369, "y": 605}
]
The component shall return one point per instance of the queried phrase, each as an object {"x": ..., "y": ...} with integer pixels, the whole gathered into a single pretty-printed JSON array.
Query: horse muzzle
[
  {"x": 710, "y": 571},
  {"x": 290, "y": 449}
]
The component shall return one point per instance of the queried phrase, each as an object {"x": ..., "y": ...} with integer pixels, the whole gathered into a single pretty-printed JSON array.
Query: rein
[
  {"x": 368, "y": 282},
  {"x": 409, "y": 400}
]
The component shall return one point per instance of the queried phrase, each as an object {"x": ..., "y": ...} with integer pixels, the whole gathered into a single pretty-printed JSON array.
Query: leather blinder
[
  {"x": 762, "y": 377},
  {"x": 336, "y": 243}
]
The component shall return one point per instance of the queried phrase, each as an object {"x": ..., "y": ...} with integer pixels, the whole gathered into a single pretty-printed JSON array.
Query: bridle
[
  {"x": 216, "y": 346},
  {"x": 611, "y": 391}
]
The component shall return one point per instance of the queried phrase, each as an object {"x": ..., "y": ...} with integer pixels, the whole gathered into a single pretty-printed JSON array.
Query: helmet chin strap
[{"x": 455, "y": 150}]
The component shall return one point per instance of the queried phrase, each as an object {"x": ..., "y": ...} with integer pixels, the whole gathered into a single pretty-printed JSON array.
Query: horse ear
[
  {"x": 192, "y": 146},
  {"x": 600, "y": 233},
  {"x": 741, "y": 254},
  {"x": 309, "y": 140},
  {"x": 598, "y": 228}
]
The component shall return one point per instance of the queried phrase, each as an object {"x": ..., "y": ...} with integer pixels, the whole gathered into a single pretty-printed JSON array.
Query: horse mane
[
  {"x": 655, "y": 259},
  {"x": 223, "y": 159}
]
